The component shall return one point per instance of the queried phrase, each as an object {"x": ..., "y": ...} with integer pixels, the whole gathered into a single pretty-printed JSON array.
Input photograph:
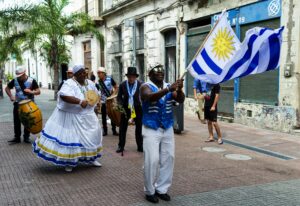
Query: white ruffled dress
[{"x": 72, "y": 134}]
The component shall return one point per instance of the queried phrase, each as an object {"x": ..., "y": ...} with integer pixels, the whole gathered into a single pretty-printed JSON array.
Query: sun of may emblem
[{"x": 223, "y": 44}]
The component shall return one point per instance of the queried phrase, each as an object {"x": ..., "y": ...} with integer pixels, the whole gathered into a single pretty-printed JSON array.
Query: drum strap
[{"x": 104, "y": 89}]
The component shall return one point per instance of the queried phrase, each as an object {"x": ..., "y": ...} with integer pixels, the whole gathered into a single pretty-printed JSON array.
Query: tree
[{"x": 42, "y": 27}]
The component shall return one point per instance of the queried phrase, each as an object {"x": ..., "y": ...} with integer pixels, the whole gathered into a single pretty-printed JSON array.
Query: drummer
[
  {"x": 26, "y": 87},
  {"x": 107, "y": 86}
]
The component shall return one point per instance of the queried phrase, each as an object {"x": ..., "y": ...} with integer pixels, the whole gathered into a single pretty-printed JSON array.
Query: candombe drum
[
  {"x": 30, "y": 116},
  {"x": 112, "y": 110}
]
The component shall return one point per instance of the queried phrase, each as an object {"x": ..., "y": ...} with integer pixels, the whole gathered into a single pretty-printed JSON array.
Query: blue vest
[
  {"x": 158, "y": 114},
  {"x": 19, "y": 93}
]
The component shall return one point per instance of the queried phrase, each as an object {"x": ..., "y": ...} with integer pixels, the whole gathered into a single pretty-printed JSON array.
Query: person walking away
[
  {"x": 211, "y": 111},
  {"x": 157, "y": 99},
  {"x": 199, "y": 93},
  {"x": 26, "y": 88},
  {"x": 129, "y": 99},
  {"x": 107, "y": 86}
]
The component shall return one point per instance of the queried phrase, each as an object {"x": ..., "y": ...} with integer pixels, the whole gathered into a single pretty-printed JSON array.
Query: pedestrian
[
  {"x": 157, "y": 99},
  {"x": 72, "y": 134},
  {"x": 93, "y": 77},
  {"x": 199, "y": 93},
  {"x": 107, "y": 87},
  {"x": 69, "y": 75},
  {"x": 26, "y": 87},
  {"x": 211, "y": 111},
  {"x": 129, "y": 99}
]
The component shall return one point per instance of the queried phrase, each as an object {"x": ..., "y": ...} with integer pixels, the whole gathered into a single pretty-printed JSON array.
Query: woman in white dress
[{"x": 72, "y": 134}]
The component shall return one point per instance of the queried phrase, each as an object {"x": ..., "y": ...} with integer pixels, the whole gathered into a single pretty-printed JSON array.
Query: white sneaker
[
  {"x": 96, "y": 163},
  {"x": 68, "y": 169}
]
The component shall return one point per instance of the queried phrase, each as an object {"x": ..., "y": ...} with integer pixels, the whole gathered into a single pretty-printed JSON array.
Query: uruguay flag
[{"x": 223, "y": 57}]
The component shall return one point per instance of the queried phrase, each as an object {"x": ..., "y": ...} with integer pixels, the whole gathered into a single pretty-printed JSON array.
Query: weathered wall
[{"x": 278, "y": 118}]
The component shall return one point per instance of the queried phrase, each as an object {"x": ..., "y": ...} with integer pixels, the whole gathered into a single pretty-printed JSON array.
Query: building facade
[{"x": 142, "y": 32}]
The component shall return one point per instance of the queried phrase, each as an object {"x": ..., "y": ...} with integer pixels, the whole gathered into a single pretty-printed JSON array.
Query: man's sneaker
[
  {"x": 68, "y": 169},
  {"x": 14, "y": 141},
  {"x": 96, "y": 163},
  {"x": 164, "y": 197},
  {"x": 152, "y": 198}
]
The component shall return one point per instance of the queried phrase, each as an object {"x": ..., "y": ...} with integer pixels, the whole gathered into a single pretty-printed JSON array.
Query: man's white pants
[{"x": 158, "y": 159}]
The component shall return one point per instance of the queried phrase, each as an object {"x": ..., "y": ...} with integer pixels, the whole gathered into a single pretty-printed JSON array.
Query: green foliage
[
  {"x": 42, "y": 27},
  {"x": 9, "y": 77}
]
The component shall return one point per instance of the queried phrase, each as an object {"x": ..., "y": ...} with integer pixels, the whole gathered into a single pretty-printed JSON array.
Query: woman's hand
[{"x": 84, "y": 104}]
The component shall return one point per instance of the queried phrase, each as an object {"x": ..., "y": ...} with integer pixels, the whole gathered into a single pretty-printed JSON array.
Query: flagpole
[{"x": 223, "y": 12}]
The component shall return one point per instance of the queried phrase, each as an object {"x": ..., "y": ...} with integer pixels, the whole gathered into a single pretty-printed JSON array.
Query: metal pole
[{"x": 237, "y": 80}]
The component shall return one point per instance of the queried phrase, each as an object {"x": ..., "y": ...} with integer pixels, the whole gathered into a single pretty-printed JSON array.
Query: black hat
[{"x": 132, "y": 71}]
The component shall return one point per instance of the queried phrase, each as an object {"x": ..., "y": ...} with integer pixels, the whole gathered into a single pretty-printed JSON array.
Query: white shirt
[{"x": 74, "y": 89}]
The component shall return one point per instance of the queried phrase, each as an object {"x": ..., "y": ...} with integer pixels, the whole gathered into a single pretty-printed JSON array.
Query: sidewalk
[
  {"x": 204, "y": 173},
  {"x": 255, "y": 138}
]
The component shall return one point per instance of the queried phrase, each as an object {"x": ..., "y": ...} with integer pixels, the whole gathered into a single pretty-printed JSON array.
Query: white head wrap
[{"x": 76, "y": 68}]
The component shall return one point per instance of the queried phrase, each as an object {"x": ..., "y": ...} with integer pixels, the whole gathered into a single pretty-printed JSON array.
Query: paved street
[{"x": 267, "y": 172}]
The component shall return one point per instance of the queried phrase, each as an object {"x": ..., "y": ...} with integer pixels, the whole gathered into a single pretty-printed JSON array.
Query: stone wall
[{"x": 279, "y": 118}]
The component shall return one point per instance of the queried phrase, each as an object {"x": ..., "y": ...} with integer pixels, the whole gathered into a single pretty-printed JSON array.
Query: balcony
[{"x": 116, "y": 47}]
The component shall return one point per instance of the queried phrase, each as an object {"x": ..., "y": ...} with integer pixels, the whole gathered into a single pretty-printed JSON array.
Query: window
[
  {"x": 170, "y": 58},
  {"x": 140, "y": 35}
]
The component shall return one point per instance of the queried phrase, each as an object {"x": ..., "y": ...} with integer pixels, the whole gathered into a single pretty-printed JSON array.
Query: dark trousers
[
  {"x": 104, "y": 123},
  {"x": 138, "y": 130},
  {"x": 17, "y": 124}
]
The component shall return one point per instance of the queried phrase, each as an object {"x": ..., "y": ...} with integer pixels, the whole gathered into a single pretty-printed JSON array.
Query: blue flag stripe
[
  {"x": 197, "y": 68},
  {"x": 252, "y": 66},
  {"x": 245, "y": 58},
  {"x": 210, "y": 62},
  {"x": 274, "y": 51}
]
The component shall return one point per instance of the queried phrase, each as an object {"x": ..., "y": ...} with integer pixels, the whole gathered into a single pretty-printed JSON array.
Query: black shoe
[
  {"x": 152, "y": 198},
  {"x": 14, "y": 141},
  {"x": 140, "y": 149},
  {"x": 104, "y": 133},
  {"x": 119, "y": 150},
  {"x": 115, "y": 133},
  {"x": 28, "y": 141},
  {"x": 164, "y": 197}
]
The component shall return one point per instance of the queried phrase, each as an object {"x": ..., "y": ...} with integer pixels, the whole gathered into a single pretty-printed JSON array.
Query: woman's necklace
[{"x": 83, "y": 88}]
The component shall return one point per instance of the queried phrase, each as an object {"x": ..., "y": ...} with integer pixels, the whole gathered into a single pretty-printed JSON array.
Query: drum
[
  {"x": 112, "y": 111},
  {"x": 30, "y": 116}
]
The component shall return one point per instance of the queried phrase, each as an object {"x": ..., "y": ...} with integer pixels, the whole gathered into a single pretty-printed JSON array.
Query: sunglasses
[{"x": 158, "y": 69}]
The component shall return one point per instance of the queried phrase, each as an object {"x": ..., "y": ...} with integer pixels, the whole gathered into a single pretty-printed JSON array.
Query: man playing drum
[
  {"x": 26, "y": 87},
  {"x": 158, "y": 143},
  {"x": 107, "y": 86}
]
